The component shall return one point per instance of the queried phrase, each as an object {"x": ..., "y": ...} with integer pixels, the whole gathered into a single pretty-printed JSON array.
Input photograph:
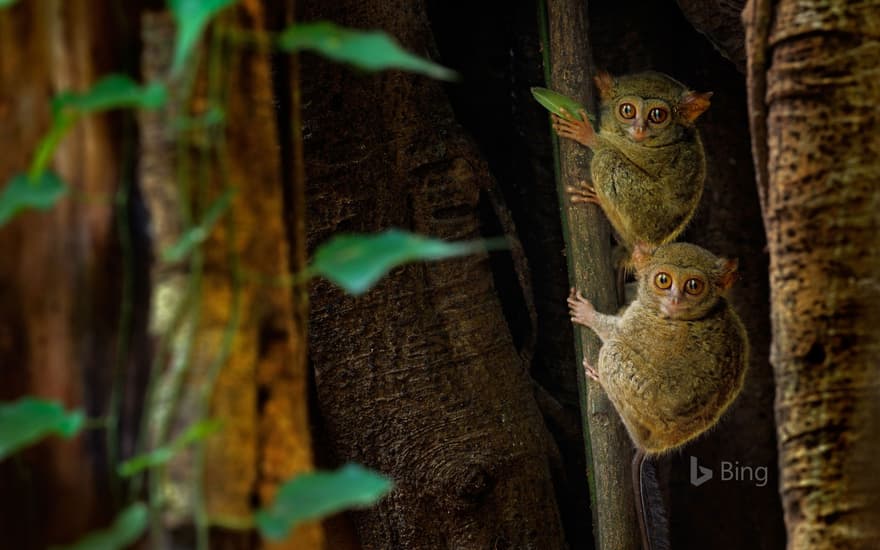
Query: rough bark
[
  {"x": 815, "y": 77},
  {"x": 609, "y": 449},
  {"x": 59, "y": 279},
  {"x": 418, "y": 378}
]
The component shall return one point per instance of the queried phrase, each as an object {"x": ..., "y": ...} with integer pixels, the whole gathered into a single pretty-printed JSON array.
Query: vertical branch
[{"x": 587, "y": 239}]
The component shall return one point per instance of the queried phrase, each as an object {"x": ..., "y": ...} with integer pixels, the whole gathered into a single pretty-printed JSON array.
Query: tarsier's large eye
[
  {"x": 663, "y": 280},
  {"x": 627, "y": 110},
  {"x": 694, "y": 286},
  {"x": 658, "y": 115}
]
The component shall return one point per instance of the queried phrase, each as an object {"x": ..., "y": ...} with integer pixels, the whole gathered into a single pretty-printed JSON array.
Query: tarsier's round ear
[
  {"x": 693, "y": 104},
  {"x": 642, "y": 254},
  {"x": 605, "y": 83},
  {"x": 727, "y": 273}
]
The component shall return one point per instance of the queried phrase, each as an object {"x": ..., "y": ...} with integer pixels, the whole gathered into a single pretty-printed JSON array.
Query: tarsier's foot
[
  {"x": 581, "y": 310},
  {"x": 568, "y": 126},
  {"x": 582, "y": 193},
  {"x": 591, "y": 372}
]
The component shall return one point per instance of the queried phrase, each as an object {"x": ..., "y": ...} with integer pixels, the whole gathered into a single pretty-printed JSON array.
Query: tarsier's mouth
[
  {"x": 672, "y": 311},
  {"x": 638, "y": 134}
]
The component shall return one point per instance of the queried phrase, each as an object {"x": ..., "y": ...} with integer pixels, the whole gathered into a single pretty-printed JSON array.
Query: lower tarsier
[{"x": 671, "y": 362}]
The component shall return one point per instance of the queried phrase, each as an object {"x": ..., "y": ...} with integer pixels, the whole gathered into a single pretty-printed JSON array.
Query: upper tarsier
[{"x": 648, "y": 167}]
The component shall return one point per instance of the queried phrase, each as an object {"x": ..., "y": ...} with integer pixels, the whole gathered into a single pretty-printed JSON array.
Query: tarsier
[
  {"x": 676, "y": 357},
  {"x": 648, "y": 166}
]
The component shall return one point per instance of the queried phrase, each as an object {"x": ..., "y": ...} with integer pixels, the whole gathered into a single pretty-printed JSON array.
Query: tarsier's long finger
[
  {"x": 585, "y": 200},
  {"x": 576, "y": 300},
  {"x": 582, "y": 196},
  {"x": 575, "y": 295},
  {"x": 582, "y": 190},
  {"x": 591, "y": 372},
  {"x": 565, "y": 125},
  {"x": 568, "y": 134},
  {"x": 579, "y": 200}
]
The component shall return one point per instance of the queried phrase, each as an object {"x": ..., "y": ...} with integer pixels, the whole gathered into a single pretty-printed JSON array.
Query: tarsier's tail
[{"x": 650, "y": 504}]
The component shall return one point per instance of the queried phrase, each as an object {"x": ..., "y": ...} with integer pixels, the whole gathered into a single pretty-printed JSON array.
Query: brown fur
[{"x": 671, "y": 375}]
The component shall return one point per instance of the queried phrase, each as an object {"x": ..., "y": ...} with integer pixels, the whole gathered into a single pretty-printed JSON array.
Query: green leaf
[
  {"x": 555, "y": 102},
  {"x": 194, "y": 236},
  {"x": 356, "y": 262},
  {"x": 7, "y": 3},
  {"x": 191, "y": 16},
  {"x": 368, "y": 50},
  {"x": 157, "y": 457},
  {"x": 30, "y": 419},
  {"x": 316, "y": 495},
  {"x": 22, "y": 193},
  {"x": 115, "y": 91},
  {"x": 128, "y": 527}
]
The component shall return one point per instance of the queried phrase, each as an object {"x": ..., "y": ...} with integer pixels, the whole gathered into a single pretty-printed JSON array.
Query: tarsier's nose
[{"x": 638, "y": 133}]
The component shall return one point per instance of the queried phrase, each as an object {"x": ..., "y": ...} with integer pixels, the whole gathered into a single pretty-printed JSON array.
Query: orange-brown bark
[
  {"x": 821, "y": 145},
  {"x": 246, "y": 327}
]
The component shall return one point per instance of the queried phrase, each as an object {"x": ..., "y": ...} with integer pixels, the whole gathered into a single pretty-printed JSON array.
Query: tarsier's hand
[
  {"x": 581, "y": 310},
  {"x": 583, "y": 193},
  {"x": 579, "y": 130},
  {"x": 591, "y": 372}
]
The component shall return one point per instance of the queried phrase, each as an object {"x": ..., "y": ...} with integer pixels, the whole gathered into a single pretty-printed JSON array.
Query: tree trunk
[
  {"x": 418, "y": 378},
  {"x": 588, "y": 238},
  {"x": 814, "y": 95},
  {"x": 59, "y": 279},
  {"x": 247, "y": 350}
]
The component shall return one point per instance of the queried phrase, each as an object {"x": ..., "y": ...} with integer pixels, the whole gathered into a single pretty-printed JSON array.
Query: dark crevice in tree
[
  {"x": 504, "y": 275},
  {"x": 281, "y": 88}
]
